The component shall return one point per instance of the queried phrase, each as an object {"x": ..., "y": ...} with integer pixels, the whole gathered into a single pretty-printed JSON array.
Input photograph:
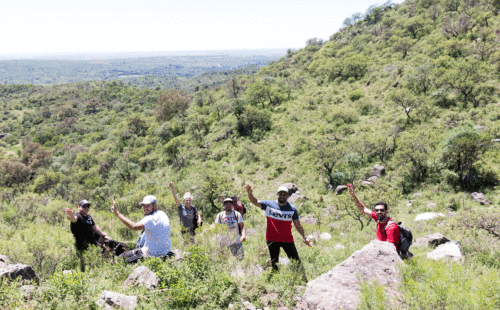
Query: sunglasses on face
[
  {"x": 379, "y": 210},
  {"x": 86, "y": 206},
  {"x": 145, "y": 205}
]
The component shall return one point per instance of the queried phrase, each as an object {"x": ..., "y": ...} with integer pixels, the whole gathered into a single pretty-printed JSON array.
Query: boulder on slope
[{"x": 340, "y": 287}]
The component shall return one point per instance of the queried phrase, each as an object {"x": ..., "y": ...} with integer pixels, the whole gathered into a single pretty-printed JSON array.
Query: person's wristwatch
[{"x": 305, "y": 238}]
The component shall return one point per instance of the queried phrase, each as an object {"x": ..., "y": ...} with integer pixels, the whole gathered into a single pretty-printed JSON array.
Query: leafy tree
[
  {"x": 460, "y": 149},
  {"x": 254, "y": 120},
  {"x": 13, "y": 173},
  {"x": 35, "y": 156},
  {"x": 466, "y": 77},
  {"x": 405, "y": 99},
  {"x": 171, "y": 103},
  {"x": 420, "y": 78},
  {"x": 402, "y": 45},
  {"x": 46, "y": 181}
]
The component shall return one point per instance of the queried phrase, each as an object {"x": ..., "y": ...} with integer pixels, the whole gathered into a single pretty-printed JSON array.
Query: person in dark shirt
[
  {"x": 189, "y": 216},
  {"x": 280, "y": 216},
  {"x": 84, "y": 229}
]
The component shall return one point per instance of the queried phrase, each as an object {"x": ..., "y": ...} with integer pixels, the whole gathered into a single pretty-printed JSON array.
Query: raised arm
[
  {"x": 251, "y": 197},
  {"x": 126, "y": 221},
  {"x": 359, "y": 204},
  {"x": 71, "y": 215},
  {"x": 177, "y": 201}
]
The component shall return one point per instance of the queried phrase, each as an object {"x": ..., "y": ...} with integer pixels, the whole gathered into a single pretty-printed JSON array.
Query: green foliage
[
  {"x": 356, "y": 95},
  {"x": 254, "y": 123},
  {"x": 428, "y": 284},
  {"x": 194, "y": 283},
  {"x": 372, "y": 297},
  {"x": 460, "y": 150}
]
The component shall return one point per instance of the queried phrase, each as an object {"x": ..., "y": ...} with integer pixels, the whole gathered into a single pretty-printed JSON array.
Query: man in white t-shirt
[
  {"x": 236, "y": 231},
  {"x": 156, "y": 228}
]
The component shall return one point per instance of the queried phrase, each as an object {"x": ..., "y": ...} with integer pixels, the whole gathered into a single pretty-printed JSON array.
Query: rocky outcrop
[
  {"x": 142, "y": 275},
  {"x": 340, "y": 189},
  {"x": 340, "y": 287},
  {"x": 481, "y": 198},
  {"x": 15, "y": 271},
  {"x": 377, "y": 171},
  {"x": 431, "y": 240},
  {"x": 309, "y": 219},
  {"x": 294, "y": 192},
  {"x": 448, "y": 251},
  {"x": 428, "y": 216},
  {"x": 111, "y": 300}
]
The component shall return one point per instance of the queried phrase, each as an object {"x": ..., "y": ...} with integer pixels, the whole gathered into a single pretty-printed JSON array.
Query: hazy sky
[{"x": 77, "y": 26}]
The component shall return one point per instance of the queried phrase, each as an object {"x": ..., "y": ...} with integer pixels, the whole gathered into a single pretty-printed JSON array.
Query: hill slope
[{"x": 413, "y": 87}]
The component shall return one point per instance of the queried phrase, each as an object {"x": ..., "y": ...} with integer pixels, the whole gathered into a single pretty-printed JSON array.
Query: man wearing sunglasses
[
  {"x": 156, "y": 226},
  {"x": 84, "y": 229},
  {"x": 387, "y": 229}
]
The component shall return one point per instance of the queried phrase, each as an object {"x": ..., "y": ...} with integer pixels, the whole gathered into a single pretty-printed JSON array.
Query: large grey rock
[
  {"x": 14, "y": 271},
  {"x": 427, "y": 216},
  {"x": 481, "y": 198},
  {"x": 340, "y": 189},
  {"x": 142, "y": 275},
  {"x": 448, "y": 251},
  {"x": 431, "y": 240},
  {"x": 377, "y": 171},
  {"x": 340, "y": 287},
  {"x": 372, "y": 179},
  {"x": 294, "y": 197},
  {"x": 292, "y": 188},
  {"x": 309, "y": 219},
  {"x": 367, "y": 183},
  {"x": 116, "y": 300}
]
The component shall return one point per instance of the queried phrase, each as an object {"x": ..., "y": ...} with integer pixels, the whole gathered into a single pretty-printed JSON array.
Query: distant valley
[{"x": 167, "y": 70}]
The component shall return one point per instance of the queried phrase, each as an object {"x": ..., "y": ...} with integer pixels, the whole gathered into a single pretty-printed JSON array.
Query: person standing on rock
[
  {"x": 236, "y": 231},
  {"x": 280, "y": 215},
  {"x": 156, "y": 226},
  {"x": 188, "y": 215},
  {"x": 387, "y": 229}
]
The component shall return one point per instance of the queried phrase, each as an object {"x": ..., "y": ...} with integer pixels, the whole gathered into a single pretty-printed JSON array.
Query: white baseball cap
[
  {"x": 148, "y": 200},
  {"x": 282, "y": 189}
]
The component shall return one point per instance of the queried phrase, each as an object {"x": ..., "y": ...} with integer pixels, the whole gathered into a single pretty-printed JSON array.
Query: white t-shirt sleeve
[{"x": 240, "y": 218}]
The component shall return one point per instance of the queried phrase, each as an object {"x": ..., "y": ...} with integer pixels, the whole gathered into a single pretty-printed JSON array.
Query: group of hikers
[{"x": 154, "y": 241}]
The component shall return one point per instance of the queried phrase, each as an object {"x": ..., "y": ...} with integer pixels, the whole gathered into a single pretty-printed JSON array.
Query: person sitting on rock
[
  {"x": 85, "y": 231},
  {"x": 156, "y": 226},
  {"x": 235, "y": 228},
  {"x": 387, "y": 229},
  {"x": 188, "y": 214}
]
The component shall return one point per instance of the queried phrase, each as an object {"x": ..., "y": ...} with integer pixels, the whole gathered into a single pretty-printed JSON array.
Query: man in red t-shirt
[{"x": 387, "y": 229}]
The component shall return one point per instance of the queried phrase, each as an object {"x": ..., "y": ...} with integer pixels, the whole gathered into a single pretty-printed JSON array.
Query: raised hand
[
  {"x": 114, "y": 208},
  {"x": 248, "y": 187},
  {"x": 171, "y": 184},
  {"x": 350, "y": 188},
  {"x": 69, "y": 212}
]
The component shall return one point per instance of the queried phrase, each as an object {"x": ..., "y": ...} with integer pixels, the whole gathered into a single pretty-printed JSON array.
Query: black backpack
[{"x": 405, "y": 237}]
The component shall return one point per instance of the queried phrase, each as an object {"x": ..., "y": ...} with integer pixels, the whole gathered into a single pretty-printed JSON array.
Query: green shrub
[
  {"x": 428, "y": 284},
  {"x": 356, "y": 94}
]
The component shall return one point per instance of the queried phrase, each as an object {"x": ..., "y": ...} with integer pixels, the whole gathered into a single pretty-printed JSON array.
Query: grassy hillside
[{"x": 413, "y": 87}]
